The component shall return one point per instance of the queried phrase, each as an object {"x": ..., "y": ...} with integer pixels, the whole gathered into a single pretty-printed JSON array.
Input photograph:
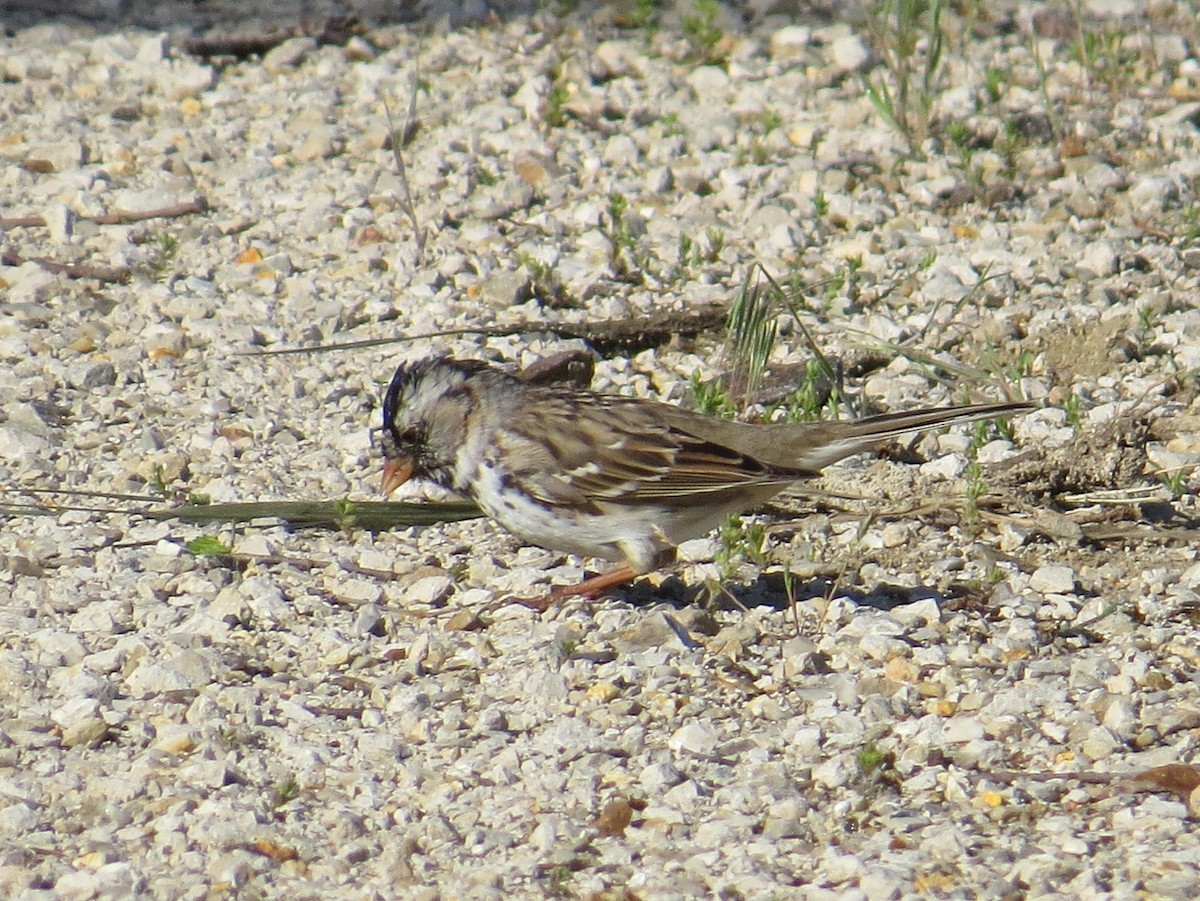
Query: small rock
[
  {"x": 656, "y": 777},
  {"x": 832, "y": 773},
  {"x": 1053, "y": 579},
  {"x": 464, "y": 620},
  {"x": 962, "y": 729},
  {"x": 369, "y": 620},
  {"x": 186, "y": 670},
  {"x": 709, "y": 82},
  {"x": 1100, "y": 258},
  {"x": 358, "y": 591},
  {"x": 288, "y": 54},
  {"x": 17, "y": 819},
  {"x": 790, "y": 42},
  {"x": 950, "y": 466},
  {"x": 696, "y": 737},
  {"x": 430, "y": 589},
  {"x": 848, "y": 53},
  {"x": 506, "y": 288},
  {"x": 614, "y": 59},
  {"x": 80, "y": 721},
  {"x": 1152, "y": 194},
  {"x": 536, "y": 168},
  {"x": 548, "y": 686},
  {"x": 63, "y": 155},
  {"x": 318, "y": 145},
  {"x": 183, "y": 78},
  {"x": 176, "y": 738},
  {"x": 698, "y": 550}
]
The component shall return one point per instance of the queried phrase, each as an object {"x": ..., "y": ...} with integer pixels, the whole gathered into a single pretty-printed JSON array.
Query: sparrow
[{"x": 598, "y": 475}]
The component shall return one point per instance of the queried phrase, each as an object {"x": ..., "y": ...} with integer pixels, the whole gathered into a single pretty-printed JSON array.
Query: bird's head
[{"x": 424, "y": 419}]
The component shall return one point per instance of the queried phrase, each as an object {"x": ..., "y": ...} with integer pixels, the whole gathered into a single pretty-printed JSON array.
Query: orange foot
[{"x": 588, "y": 588}]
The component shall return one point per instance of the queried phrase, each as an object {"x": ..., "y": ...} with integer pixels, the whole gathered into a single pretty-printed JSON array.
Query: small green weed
[
  {"x": 740, "y": 542},
  {"x": 620, "y": 236},
  {"x": 1073, "y": 408},
  {"x": 207, "y": 546},
  {"x": 702, "y": 32},
  {"x": 1176, "y": 481},
  {"x": 908, "y": 40},
  {"x": 870, "y": 758},
  {"x": 283, "y": 791},
  {"x": 711, "y": 398}
]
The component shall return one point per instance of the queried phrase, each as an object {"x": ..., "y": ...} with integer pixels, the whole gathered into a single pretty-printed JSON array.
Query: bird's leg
[
  {"x": 588, "y": 588},
  {"x": 595, "y": 586}
]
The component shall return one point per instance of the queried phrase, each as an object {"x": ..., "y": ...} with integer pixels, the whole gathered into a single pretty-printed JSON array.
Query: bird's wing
[{"x": 620, "y": 450}]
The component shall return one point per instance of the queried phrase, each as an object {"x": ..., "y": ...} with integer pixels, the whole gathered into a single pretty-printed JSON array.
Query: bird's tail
[{"x": 824, "y": 443}]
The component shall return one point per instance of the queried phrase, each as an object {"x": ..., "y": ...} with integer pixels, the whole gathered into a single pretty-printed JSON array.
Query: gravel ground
[{"x": 871, "y": 707}]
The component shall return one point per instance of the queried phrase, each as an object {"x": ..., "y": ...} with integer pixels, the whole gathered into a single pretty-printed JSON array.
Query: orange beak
[{"x": 396, "y": 472}]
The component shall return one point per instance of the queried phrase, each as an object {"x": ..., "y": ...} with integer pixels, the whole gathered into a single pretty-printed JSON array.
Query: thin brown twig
[
  {"x": 70, "y": 270},
  {"x": 399, "y": 138},
  {"x": 120, "y": 217},
  {"x": 22, "y": 222},
  {"x": 186, "y": 208}
]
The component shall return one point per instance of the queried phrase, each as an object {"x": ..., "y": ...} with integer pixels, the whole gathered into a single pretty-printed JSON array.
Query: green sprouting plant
[
  {"x": 1189, "y": 221},
  {"x": 166, "y": 247},
  {"x": 687, "y": 259},
  {"x": 558, "y": 881},
  {"x": 817, "y": 397},
  {"x": 711, "y": 398},
  {"x": 758, "y": 153},
  {"x": 1106, "y": 56},
  {"x": 545, "y": 283},
  {"x": 1073, "y": 408},
  {"x": 959, "y": 135},
  {"x": 740, "y": 542},
  {"x": 486, "y": 176},
  {"x": 1044, "y": 85},
  {"x": 977, "y": 487},
  {"x": 644, "y": 14},
  {"x": 994, "y": 79},
  {"x": 554, "y": 112},
  {"x": 1175, "y": 480},
  {"x": 159, "y": 481},
  {"x": 820, "y": 203},
  {"x": 1020, "y": 368},
  {"x": 834, "y": 285},
  {"x": 285, "y": 790},
  {"x": 750, "y": 330},
  {"x": 208, "y": 546},
  {"x": 671, "y": 126},
  {"x": 962, "y": 139},
  {"x": 843, "y": 282},
  {"x": 1008, "y": 144},
  {"x": 870, "y": 757},
  {"x": 701, "y": 30},
  {"x": 688, "y": 254},
  {"x": 619, "y": 234},
  {"x": 1147, "y": 319},
  {"x": 908, "y": 40}
]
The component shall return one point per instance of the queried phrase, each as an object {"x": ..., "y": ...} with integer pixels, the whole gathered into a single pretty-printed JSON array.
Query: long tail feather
[{"x": 829, "y": 442}]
